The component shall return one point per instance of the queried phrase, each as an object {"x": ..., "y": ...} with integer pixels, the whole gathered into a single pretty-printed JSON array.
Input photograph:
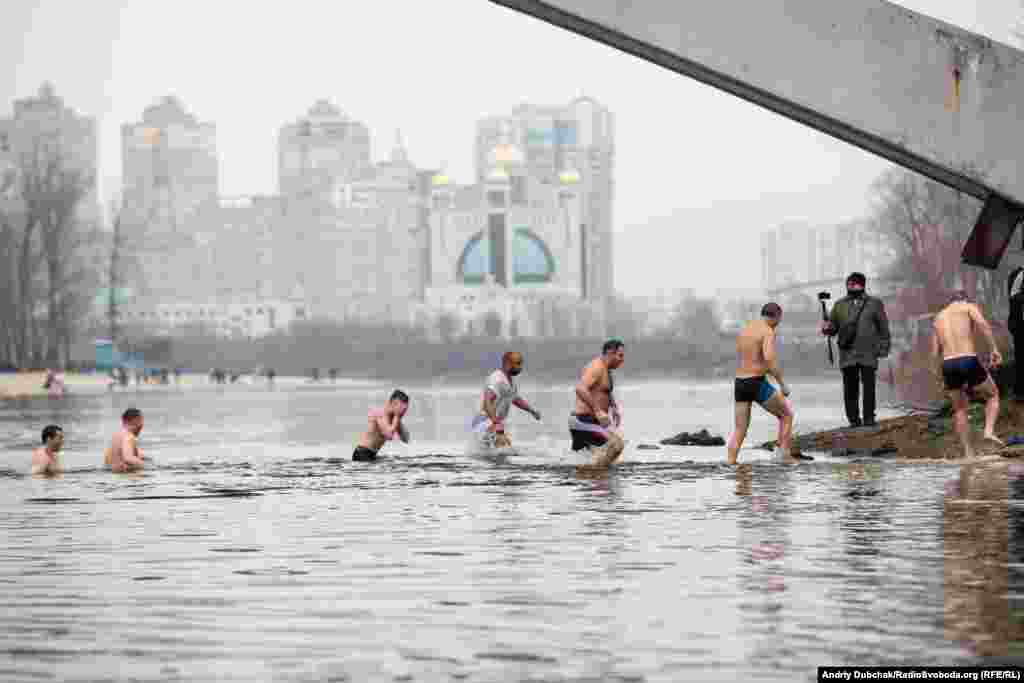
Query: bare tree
[
  {"x": 52, "y": 190},
  {"x": 926, "y": 224}
]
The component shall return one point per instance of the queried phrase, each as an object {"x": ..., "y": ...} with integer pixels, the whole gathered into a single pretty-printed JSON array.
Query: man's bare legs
[
  {"x": 740, "y": 433},
  {"x": 959, "y": 400},
  {"x": 606, "y": 455},
  {"x": 989, "y": 392},
  {"x": 779, "y": 407}
]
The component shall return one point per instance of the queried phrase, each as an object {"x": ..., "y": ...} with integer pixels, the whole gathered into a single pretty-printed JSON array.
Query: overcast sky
[{"x": 432, "y": 69}]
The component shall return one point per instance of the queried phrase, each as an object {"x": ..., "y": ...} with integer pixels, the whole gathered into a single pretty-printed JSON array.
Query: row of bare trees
[{"x": 51, "y": 257}]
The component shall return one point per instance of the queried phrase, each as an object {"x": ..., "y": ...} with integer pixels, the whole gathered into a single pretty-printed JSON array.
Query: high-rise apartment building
[
  {"x": 170, "y": 168},
  {"x": 321, "y": 150}
]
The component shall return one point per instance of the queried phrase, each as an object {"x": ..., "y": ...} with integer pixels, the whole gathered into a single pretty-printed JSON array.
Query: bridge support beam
[{"x": 921, "y": 93}]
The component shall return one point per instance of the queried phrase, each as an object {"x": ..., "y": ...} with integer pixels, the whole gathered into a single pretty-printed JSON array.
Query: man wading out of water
[
  {"x": 384, "y": 424},
  {"x": 44, "y": 459},
  {"x": 500, "y": 394},
  {"x": 124, "y": 454},
  {"x": 963, "y": 373},
  {"x": 590, "y": 421},
  {"x": 755, "y": 347}
]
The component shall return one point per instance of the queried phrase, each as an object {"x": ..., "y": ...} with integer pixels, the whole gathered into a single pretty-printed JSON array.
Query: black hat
[{"x": 858, "y": 278}]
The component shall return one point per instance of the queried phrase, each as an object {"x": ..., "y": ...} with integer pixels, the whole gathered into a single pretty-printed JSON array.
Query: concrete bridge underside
[{"x": 919, "y": 92}]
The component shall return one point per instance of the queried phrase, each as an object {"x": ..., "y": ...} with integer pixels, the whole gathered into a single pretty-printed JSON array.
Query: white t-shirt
[{"x": 502, "y": 386}]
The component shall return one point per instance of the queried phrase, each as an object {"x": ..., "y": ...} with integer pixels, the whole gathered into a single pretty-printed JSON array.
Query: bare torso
[
  {"x": 955, "y": 330},
  {"x": 750, "y": 349},
  {"x": 44, "y": 462},
  {"x": 124, "y": 443},
  {"x": 595, "y": 375},
  {"x": 373, "y": 438}
]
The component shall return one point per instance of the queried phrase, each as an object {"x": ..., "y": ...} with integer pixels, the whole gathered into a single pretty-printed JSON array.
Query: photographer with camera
[{"x": 861, "y": 328}]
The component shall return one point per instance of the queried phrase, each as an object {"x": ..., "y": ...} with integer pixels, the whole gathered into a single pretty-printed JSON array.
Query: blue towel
[{"x": 1015, "y": 440}]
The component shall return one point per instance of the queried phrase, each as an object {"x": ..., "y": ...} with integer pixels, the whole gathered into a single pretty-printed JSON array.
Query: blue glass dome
[{"x": 531, "y": 259}]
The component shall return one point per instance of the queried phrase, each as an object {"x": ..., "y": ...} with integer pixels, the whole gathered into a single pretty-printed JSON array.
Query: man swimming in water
[
  {"x": 124, "y": 454},
  {"x": 44, "y": 458},
  {"x": 755, "y": 347},
  {"x": 596, "y": 413},
  {"x": 963, "y": 373},
  {"x": 384, "y": 424},
  {"x": 500, "y": 394}
]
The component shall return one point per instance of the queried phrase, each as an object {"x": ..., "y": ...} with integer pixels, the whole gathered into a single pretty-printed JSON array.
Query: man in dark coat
[
  {"x": 862, "y": 330},
  {"x": 1015, "y": 323}
]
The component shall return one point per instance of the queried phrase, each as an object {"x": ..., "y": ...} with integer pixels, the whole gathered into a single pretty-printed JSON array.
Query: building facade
[
  {"x": 170, "y": 170},
  {"x": 383, "y": 243},
  {"x": 321, "y": 150},
  {"x": 576, "y": 138}
]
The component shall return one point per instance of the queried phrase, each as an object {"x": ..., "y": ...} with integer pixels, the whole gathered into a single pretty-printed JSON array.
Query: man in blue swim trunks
[
  {"x": 964, "y": 374},
  {"x": 755, "y": 346}
]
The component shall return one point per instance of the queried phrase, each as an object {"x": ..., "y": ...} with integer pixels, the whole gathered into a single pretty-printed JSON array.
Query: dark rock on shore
[{"x": 701, "y": 438}]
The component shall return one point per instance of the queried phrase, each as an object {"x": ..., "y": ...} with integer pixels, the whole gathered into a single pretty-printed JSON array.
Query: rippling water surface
[{"x": 254, "y": 549}]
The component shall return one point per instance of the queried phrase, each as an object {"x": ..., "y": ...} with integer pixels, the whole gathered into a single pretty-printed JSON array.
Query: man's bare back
[
  {"x": 596, "y": 378},
  {"x": 955, "y": 326},
  {"x": 750, "y": 345},
  {"x": 124, "y": 454}
]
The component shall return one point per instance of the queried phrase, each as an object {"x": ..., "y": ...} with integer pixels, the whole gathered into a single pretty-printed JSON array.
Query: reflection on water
[
  {"x": 255, "y": 549},
  {"x": 982, "y": 529}
]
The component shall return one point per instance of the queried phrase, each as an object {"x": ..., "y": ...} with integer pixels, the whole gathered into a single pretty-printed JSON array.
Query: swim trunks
[
  {"x": 364, "y": 454},
  {"x": 480, "y": 426},
  {"x": 964, "y": 370},
  {"x": 753, "y": 389},
  {"x": 586, "y": 431}
]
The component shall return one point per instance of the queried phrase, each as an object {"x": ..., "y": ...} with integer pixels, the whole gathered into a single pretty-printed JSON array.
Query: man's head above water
[
  {"x": 772, "y": 313},
  {"x": 512, "y": 363}
]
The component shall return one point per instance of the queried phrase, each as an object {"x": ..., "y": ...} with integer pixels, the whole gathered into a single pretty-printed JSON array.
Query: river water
[{"x": 254, "y": 549}]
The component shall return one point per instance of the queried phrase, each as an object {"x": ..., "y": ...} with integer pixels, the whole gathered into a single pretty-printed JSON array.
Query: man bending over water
[
  {"x": 590, "y": 423},
  {"x": 963, "y": 374},
  {"x": 385, "y": 424},
  {"x": 124, "y": 454},
  {"x": 500, "y": 394},
  {"x": 755, "y": 347},
  {"x": 44, "y": 458}
]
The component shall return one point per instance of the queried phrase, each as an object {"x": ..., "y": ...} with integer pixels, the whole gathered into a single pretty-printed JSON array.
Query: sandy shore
[{"x": 30, "y": 384}]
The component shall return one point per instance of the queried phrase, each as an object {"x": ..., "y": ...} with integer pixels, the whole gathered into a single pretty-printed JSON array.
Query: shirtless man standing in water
[
  {"x": 590, "y": 424},
  {"x": 124, "y": 454},
  {"x": 44, "y": 459},
  {"x": 384, "y": 424},
  {"x": 963, "y": 374},
  {"x": 755, "y": 346}
]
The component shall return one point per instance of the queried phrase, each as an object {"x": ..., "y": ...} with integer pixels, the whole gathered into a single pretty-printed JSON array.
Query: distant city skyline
[{"x": 681, "y": 194}]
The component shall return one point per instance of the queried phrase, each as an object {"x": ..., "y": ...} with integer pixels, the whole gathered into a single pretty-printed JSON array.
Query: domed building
[{"x": 507, "y": 255}]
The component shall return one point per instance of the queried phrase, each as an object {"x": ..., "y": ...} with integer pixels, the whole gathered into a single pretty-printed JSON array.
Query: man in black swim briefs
[
  {"x": 755, "y": 347},
  {"x": 597, "y": 413},
  {"x": 963, "y": 373},
  {"x": 383, "y": 424}
]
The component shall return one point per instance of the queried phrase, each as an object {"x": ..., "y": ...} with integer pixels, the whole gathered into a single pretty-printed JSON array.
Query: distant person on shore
[
  {"x": 963, "y": 373},
  {"x": 54, "y": 383},
  {"x": 44, "y": 458},
  {"x": 384, "y": 424},
  {"x": 861, "y": 328},
  {"x": 500, "y": 394},
  {"x": 270, "y": 376},
  {"x": 124, "y": 454},
  {"x": 333, "y": 374},
  {"x": 755, "y": 347},
  {"x": 597, "y": 415}
]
